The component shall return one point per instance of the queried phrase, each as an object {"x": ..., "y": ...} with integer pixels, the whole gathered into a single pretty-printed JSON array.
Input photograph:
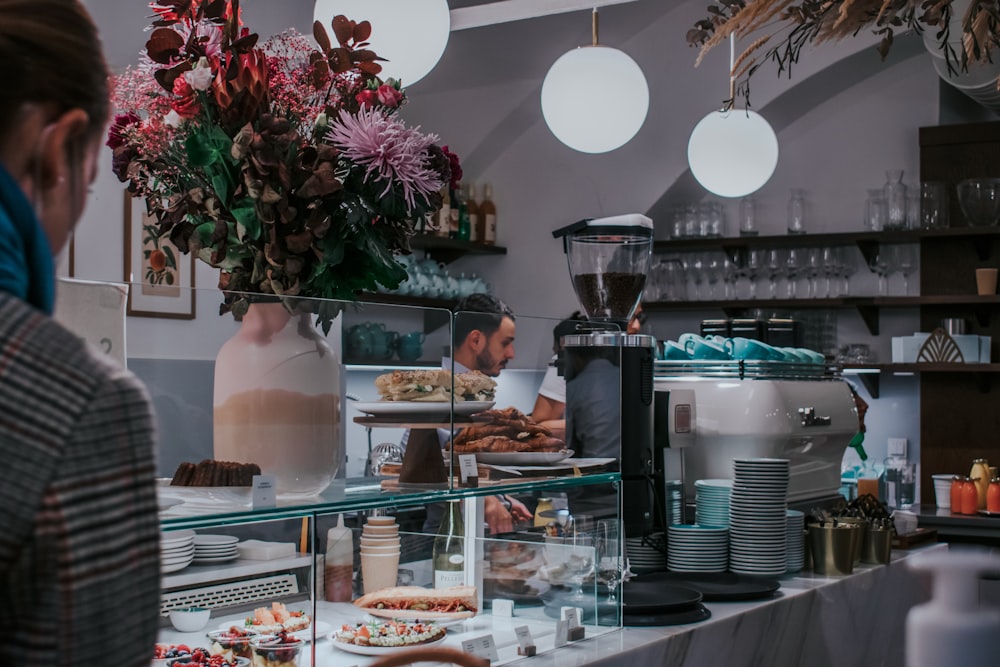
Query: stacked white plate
[
  {"x": 695, "y": 548},
  {"x": 757, "y": 524},
  {"x": 675, "y": 502},
  {"x": 645, "y": 554},
  {"x": 215, "y": 548},
  {"x": 711, "y": 504},
  {"x": 176, "y": 550},
  {"x": 795, "y": 552}
]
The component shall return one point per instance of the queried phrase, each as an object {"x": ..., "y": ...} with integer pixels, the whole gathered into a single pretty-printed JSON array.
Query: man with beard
[{"x": 483, "y": 340}]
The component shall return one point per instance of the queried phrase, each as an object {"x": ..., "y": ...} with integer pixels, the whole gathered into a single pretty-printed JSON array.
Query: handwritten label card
[
  {"x": 264, "y": 492},
  {"x": 482, "y": 647},
  {"x": 467, "y": 468},
  {"x": 524, "y": 638},
  {"x": 562, "y": 633}
]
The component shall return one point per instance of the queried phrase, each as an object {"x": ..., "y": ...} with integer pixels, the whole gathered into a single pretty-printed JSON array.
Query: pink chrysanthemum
[{"x": 390, "y": 151}]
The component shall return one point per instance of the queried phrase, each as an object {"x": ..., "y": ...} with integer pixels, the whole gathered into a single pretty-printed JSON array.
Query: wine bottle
[
  {"x": 464, "y": 228},
  {"x": 444, "y": 214},
  {"x": 449, "y": 549},
  {"x": 454, "y": 218},
  {"x": 475, "y": 219},
  {"x": 488, "y": 212}
]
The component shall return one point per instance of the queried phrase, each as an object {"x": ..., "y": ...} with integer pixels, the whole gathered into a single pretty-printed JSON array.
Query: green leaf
[{"x": 246, "y": 216}]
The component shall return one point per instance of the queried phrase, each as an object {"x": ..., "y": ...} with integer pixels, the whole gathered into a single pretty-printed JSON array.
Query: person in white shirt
[{"x": 550, "y": 404}]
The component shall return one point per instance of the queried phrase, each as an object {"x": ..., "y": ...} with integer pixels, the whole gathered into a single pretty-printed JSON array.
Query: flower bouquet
[{"x": 284, "y": 164}]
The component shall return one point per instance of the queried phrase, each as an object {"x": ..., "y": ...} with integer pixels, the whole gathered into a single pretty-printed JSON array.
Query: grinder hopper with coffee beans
[{"x": 608, "y": 261}]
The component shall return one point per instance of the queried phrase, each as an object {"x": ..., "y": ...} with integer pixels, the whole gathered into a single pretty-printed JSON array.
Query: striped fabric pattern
[{"x": 79, "y": 532}]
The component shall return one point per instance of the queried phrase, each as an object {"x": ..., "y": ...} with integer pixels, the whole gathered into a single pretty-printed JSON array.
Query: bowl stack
[
  {"x": 215, "y": 548},
  {"x": 379, "y": 553},
  {"x": 646, "y": 553},
  {"x": 757, "y": 523},
  {"x": 176, "y": 550}
]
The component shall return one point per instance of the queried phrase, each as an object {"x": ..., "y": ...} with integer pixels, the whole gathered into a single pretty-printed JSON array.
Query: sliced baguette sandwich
[
  {"x": 414, "y": 602},
  {"x": 434, "y": 385}
]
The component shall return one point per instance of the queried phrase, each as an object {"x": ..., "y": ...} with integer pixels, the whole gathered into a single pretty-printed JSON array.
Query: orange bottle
[
  {"x": 956, "y": 494},
  {"x": 993, "y": 496},
  {"x": 970, "y": 497}
]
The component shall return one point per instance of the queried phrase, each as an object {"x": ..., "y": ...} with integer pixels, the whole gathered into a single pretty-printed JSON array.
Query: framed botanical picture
[{"x": 162, "y": 278}]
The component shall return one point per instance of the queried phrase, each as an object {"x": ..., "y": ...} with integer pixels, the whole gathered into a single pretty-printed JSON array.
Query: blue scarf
[{"x": 27, "y": 269}]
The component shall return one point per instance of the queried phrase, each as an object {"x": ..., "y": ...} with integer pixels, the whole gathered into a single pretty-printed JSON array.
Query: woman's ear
[{"x": 56, "y": 150}]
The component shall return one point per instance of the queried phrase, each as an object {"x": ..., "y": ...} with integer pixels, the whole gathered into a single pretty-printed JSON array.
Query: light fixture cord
[
  {"x": 593, "y": 26},
  {"x": 732, "y": 64}
]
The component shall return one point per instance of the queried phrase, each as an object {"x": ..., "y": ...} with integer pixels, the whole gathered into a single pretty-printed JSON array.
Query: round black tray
[{"x": 713, "y": 586}]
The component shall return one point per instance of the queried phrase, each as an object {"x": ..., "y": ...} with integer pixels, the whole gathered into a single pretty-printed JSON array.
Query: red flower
[
  {"x": 456, "y": 167},
  {"x": 389, "y": 96},
  {"x": 187, "y": 104},
  {"x": 367, "y": 98},
  {"x": 116, "y": 135}
]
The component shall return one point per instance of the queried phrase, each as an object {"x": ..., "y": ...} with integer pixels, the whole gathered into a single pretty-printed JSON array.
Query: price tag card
[
  {"x": 264, "y": 492},
  {"x": 562, "y": 633},
  {"x": 467, "y": 467},
  {"x": 482, "y": 647},
  {"x": 571, "y": 615},
  {"x": 524, "y": 638}
]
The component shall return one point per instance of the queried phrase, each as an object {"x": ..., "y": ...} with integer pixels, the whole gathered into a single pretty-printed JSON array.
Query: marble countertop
[{"x": 812, "y": 620}]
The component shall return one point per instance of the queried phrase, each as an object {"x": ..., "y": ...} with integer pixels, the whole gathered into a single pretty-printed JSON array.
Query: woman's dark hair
[
  {"x": 483, "y": 312},
  {"x": 52, "y": 55}
]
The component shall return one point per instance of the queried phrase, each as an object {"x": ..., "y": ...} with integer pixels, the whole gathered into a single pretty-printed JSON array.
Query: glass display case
[{"x": 274, "y": 436}]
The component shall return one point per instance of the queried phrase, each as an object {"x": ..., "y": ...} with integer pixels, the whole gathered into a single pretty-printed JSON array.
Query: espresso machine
[{"x": 609, "y": 372}]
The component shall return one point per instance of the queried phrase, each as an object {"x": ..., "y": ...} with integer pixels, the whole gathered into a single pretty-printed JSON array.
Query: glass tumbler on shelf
[
  {"x": 933, "y": 205},
  {"x": 748, "y": 216},
  {"x": 876, "y": 211},
  {"x": 895, "y": 199},
  {"x": 797, "y": 212}
]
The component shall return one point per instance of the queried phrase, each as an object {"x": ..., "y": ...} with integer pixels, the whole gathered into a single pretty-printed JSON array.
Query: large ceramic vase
[{"x": 277, "y": 402}]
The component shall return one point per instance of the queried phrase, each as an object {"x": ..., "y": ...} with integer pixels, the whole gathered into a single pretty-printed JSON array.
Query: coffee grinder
[{"x": 608, "y": 261}]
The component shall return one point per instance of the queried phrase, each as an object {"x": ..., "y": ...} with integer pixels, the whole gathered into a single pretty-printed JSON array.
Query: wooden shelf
[
  {"x": 448, "y": 250},
  {"x": 869, "y": 374}
]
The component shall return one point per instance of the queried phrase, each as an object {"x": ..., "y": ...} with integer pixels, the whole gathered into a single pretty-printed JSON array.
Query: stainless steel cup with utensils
[
  {"x": 832, "y": 548},
  {"x": 860, "y": 526}
]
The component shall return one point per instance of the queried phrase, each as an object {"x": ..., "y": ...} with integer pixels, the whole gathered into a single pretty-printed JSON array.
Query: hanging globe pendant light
[
  {"x": 594, "y": 98},
  {"x": 732, "y": 152}
]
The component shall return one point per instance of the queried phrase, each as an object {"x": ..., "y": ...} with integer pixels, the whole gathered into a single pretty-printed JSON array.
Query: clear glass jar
[
  {"x": 876, "y": 211},
  {"x": 895, "y": 199},
  {"x": 797, "y": 212},
  {"x": 748, "y": 216}
]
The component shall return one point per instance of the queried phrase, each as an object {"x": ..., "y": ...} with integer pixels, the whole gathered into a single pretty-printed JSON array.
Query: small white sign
[
  {"x": 562, "y": 633},
  {"x": 482, "y": 647},
  {"x": 467, "y": 467},
  {"x": 504, "y": 608},
  {"x": 524, "y": 638},
  {"x": 264, "y": 492},
  {"x": 572, "y": 616}
]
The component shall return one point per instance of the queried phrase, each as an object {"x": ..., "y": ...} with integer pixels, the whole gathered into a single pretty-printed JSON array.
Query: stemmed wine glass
[
  {"x": 814, "y": 268},
  {"x": 904, "y": 259},
  {"x": 793, "y": 263},
  {"x": 775, "y": 265},
  {"x": 879, "y": 264},
  {"x": 610, "y": 562},
  {"x": 752, "y": 268},
  {"x": 571, "y": 560}
]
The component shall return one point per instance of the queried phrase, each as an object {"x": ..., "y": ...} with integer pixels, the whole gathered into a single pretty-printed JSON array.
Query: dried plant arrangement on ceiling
[{"x": 778, "y": 30}]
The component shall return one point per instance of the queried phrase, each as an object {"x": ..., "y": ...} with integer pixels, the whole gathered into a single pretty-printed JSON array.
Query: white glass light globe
[
  {"x": 410, "y": 34},
  {"x": 732, "y": 153},
  {"x": 594, "y": 99}
]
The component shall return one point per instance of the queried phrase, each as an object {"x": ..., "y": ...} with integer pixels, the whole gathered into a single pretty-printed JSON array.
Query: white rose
[{"x": 200, "y": 78}]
